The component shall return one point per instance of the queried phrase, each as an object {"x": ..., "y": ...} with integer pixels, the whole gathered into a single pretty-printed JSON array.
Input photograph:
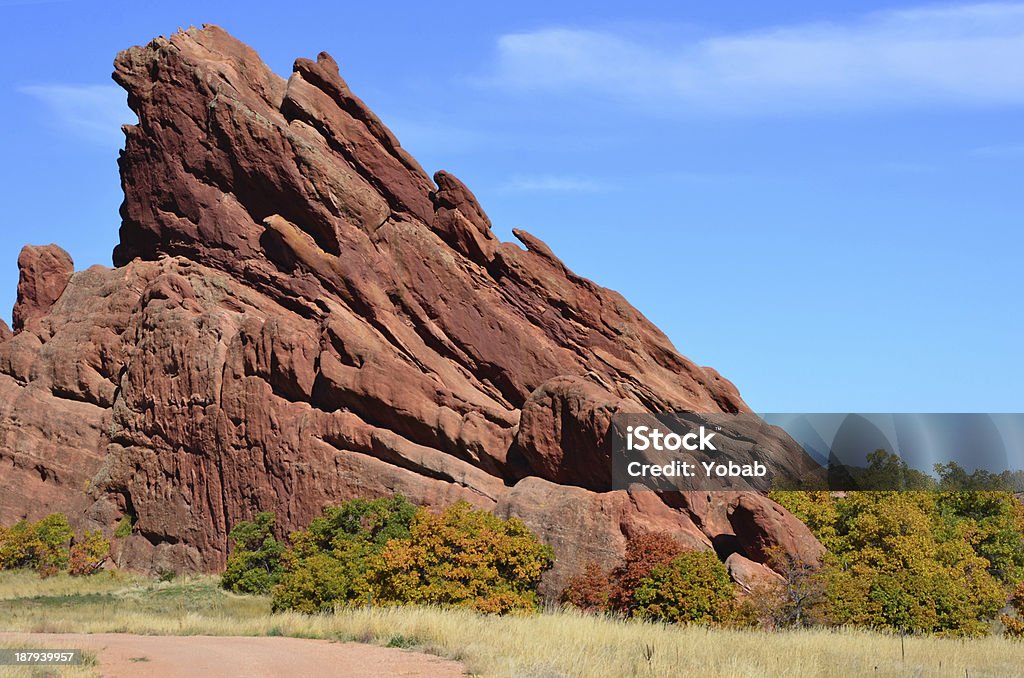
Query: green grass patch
[{"x": 403, "y": 642}]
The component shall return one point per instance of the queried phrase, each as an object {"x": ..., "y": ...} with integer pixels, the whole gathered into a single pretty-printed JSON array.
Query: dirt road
[{"x": 253, "y": 657}]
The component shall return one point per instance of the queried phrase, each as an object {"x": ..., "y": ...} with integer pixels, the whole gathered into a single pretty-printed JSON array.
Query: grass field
[{"x": 550, "y": 644}]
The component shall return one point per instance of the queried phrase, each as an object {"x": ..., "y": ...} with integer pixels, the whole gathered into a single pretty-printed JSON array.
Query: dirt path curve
[{"x": 252, "y": 657}]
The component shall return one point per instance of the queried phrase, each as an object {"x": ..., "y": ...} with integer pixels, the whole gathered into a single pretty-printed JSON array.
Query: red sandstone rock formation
[
  {"x": 751, "y": 576},
  {"x": 45, "y": 272},
  {"x": 300, "y": 315},
  {"x": 761, "y": 525}
]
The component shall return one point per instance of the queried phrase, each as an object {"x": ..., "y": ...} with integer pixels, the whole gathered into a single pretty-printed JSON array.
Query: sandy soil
[{"x": 253, "y": 657}]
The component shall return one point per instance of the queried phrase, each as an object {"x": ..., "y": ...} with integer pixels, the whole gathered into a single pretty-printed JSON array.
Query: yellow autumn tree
[{"x": 462, "y": 557}]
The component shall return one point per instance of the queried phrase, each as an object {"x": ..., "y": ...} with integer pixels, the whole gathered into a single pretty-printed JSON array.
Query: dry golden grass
[
  {"x": 28, "y": 584},
  {"x": 550, "y": 644}
]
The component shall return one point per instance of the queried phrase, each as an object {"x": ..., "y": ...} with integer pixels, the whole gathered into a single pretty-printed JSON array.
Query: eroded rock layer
[{"x": 300, "y": 315}]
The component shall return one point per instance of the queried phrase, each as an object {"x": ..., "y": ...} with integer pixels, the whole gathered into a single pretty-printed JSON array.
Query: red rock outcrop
[
  {"x": 752, "y": 577},
  {"x": 761, "y": 525},
  {"x": 300, "y": 315},
  {"x": 45, "y": 272}
]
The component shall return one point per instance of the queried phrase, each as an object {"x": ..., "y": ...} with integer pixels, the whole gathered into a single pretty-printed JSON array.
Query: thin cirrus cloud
[
  {"x": 999, "y": 151},
  {"x": 549, "y": 183},
  {"x": 92, "y": 113},
  {"x": 962, "y": 55}
]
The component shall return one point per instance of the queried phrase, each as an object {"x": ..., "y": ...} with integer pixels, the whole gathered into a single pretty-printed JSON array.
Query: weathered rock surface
[
  {"x": 45, "y": 272},
  {"x": 752, "y": 577},
  {"x": 761, "y": 525},
  {"x": 300, "y": 315}
]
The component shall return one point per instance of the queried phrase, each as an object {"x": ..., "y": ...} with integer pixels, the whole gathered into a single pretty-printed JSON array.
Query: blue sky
[{"x": 821, "y": 200}]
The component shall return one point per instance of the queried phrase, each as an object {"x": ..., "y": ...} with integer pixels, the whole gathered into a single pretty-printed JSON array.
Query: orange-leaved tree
[
  {"x": 644, "y": 552},
  {"x": 589, "y": 590},
  {"x": 462, "y": 557},
  {"x": 88, "y": 554}
]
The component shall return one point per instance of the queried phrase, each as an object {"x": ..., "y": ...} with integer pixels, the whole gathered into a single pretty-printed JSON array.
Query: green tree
[
  {"x": 42, "y": 546},
  {"x": 255, "y": 564},
  {"x": 991, "y": 520},
  {"x": 693, "y": 588},
  {"x": 328, "y": 562},
  {"x": 815, "y": 509},
  {"x": 897, "y": 566},
  {"x": 953, "y": 477},
  {"x": 362, "y": 521},
  {"x": 888, "y": 472},
  {"x": 314, "y": 584}
]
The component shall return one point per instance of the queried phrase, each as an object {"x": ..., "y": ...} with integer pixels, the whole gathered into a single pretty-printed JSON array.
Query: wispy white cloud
[
  {"x": 966, "y": 55},
  {"x": 91, "y": 113},
  {"x": 1001, "y": 150},
  {"x": 549, "y": 183}
]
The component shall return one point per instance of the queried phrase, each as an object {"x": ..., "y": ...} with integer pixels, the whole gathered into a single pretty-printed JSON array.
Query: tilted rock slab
[{"x": 300, "y": 315}]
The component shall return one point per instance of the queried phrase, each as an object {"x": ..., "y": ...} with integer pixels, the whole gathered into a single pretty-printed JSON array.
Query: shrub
[
  {"x": 387, "y": 551},
  {"x": 900, "y": 561},
  {"x": 42, "y": 546},
  {"x": 462, "y": 558},
  {"x": 644, "y": 552},
  {"x": 361, "y": 521},
  {"x": 16, "y": 546},
  {"x": 165, "y": 575},
  {"x": 802, "y": 589},
  {"x": 815, "y": 509},
  {"x": 588, "y": 591},
  {"x": 329, "y": 561},
  {"x": 795, "y": 601},
  {"x": 934, "y": 562},
  {"x": 315, "y": 584},
  {"x": 402, "y": 642},
  {"x": 124, "y": 528},
  {"x": 693, "y": 588},
  {"x": 1015, "y": 623},
  {"x": 992, "y": 523},
  {"x": 51, "y": 547},
  {"x": 255, "y": 563},
  {"x": 88, "y": 555}
]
